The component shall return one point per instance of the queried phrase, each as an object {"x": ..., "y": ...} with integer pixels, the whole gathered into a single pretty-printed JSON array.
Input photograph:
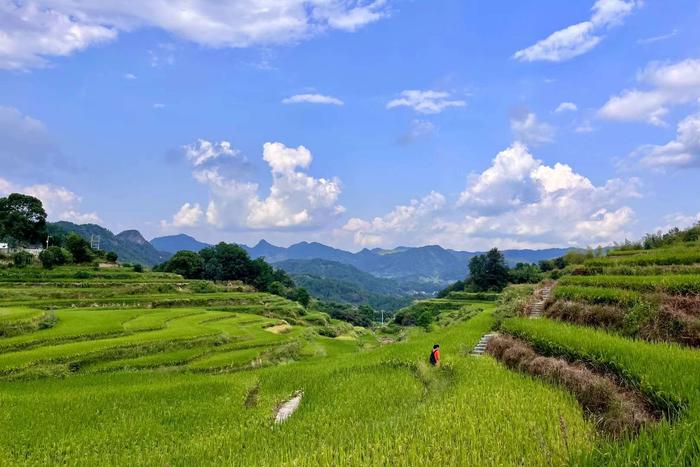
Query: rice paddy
[{"x": 155, "y": 370}]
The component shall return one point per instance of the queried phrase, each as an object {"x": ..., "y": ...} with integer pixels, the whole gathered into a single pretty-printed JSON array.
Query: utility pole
[
  {"x": 95, "y": 242},
  {"x": 47, "y": 240}
]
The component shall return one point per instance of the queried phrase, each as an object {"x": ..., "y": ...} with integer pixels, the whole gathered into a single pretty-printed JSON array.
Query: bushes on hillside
[
  {"x": 358, "y": 316},
  {"x": 79, "y": 248},
  {"x": 228, "y": 262},
  {"x": 22, "y": 259},
  {"x": 55, "y": 256}
]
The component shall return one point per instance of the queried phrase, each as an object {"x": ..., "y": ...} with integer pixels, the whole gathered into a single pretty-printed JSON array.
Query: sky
[{"x": 356, "y": 123}]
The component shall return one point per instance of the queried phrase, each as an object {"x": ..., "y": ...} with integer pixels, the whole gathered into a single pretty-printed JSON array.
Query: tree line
[{"x": 229, "y": 262}]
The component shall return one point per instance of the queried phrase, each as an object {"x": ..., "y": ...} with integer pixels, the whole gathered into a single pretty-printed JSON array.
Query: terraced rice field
[{"x": 198, "y": 383}]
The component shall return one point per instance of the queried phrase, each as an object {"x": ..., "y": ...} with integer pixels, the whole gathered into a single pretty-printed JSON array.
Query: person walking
[{"x": 435, "y": 355}]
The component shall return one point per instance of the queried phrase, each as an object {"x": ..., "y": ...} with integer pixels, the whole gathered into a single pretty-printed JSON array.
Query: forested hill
[
  {"x": 426, "y": 267},
  {"x": 335, "y": 281},
  {"x": 129, "y": 245}
]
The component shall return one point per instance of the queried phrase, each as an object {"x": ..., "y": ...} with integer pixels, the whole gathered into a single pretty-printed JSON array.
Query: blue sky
[{"x": 356, "y": 123}]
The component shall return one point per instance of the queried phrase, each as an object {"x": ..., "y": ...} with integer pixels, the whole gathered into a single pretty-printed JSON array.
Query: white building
[{"x": 4, "y": 248}]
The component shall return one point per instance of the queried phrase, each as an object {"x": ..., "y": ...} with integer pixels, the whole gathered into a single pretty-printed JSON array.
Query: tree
[
  {"x": 138, "y": 268},
  {"x": 525, "y": 273},
  {"x": 186, "y": 263},
  {"x": 455, "y": 287},
  {"x": 489, "y": 271},
  {"x": 303, "y": 297},
  {"x": 227, "y": 262},
  {"x": 22, "y": 219},
  {"x": 55, "y": 256},
  {"x": 22, "y": 259},
  {"x": 79, "y": 248},
  {"x": 111, "y": 257}
]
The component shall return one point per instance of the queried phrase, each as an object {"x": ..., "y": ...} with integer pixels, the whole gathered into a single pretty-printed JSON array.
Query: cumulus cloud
[
  {"x": 566, "y": 106},
  {"x": 189, "y": 215},
  {"x": 516, "y": 202},
  {"x": 670, "y": 84},
  {"x": 296, "y": 200},
  {"x": 312, "y": 99},
  {"x": 528, "y": 129},
  {"x": 426, "y": 102},
  {"x": 36, "y": 30},
  {"x": 203, "y": 151},
  {"x": 681, "y": 152},
  {"x": 579, "y": 38},
  {"x": 59, "y": 202}
]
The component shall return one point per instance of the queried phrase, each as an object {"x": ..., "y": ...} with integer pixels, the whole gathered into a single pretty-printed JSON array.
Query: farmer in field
[{"x": 435, "y": 355}]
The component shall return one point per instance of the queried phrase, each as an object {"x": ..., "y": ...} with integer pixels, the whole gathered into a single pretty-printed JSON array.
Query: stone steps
[
  {"x": 480, "y": 347},
  {"x": 538, "y": 307}
]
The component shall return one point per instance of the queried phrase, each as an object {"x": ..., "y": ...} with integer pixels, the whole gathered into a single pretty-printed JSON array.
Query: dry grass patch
[{"x": 617, "y": 411}]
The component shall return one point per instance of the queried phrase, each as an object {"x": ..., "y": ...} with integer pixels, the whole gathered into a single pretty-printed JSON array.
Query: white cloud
[
  {"x": 419, "y": 129},
  {"x": 130, "y": 76},
  {"x": 427, "y": 102},
  {"x": 204, "y": 151},
  {"x": 189, "y": 215},
  {"x": 296, "y": 200},
  {"x": 566, "y": 106},
  {"x": 584, "y": 127},
  {"x": 158, "y": 105},
  {"x": 527, "y": 128},
  {"x": 517, "y": 202},
  {"x": 35, "y": 30},
  {"x": 402, "y": 221},
  {"x": 312, "y": 99},
  {"x": 671, "y": 84},
  {"x": 682, "y": 152},
  {"x": 679, "y": 220},
  {"x": 59, "y": 202},
  {"x": 31, "y": 32},
  {"x": 580, "y": 38},
  {"x": 659, "y": 38}
]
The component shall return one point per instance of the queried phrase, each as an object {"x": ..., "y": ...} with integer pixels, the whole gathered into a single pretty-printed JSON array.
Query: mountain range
[
  {"x": 129, "y": 245},
  {"x": 428, "y": 267}
]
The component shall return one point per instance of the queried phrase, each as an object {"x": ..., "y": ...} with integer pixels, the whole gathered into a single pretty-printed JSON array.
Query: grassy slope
[{"x": 168, "y": 386}]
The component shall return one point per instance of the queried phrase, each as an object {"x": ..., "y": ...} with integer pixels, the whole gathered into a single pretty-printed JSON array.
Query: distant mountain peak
[
  {"x": 133, "y": 236},
  {"x": 263, "y": 243}
]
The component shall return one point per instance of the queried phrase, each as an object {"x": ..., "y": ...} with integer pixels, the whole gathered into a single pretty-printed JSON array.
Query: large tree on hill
[
  {"x": 79, "y": 248},
  {"x": 22, "y": 219},
  {"x": 186, "y": 263},
  {"x": 488, "y": 271}
]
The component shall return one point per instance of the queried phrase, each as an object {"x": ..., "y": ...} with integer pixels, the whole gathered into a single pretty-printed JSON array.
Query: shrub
[
  {"x": 138, "y": 268},
  {"x": 111, "y": 257},
  {"x": 82, "y": 275},
  {"x": 22, "y": 259},
  {"x": 79, "y": 248},
  {"x": 55, "y": 256}
]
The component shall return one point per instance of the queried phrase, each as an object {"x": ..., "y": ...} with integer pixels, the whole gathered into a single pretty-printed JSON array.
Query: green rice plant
[
  {"x": 660, "y": 256},
  {"x": 669, "y": 284},
  {"x": 597, "y": 295},
  {"x": 667, "y": 373}
]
